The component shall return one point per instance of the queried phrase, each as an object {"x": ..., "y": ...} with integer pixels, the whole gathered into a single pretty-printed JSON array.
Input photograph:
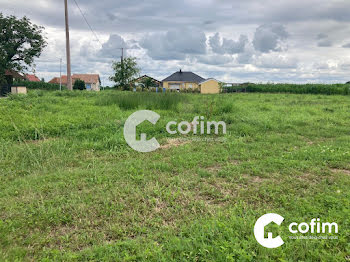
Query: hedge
[{"x": 39, "y": 85}]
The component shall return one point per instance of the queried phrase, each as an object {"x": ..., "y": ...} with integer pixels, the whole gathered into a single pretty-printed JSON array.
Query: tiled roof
[
  {"x": 14, "y": 74},
  {"x": 184, "y": 77},
  {"x": 56, "y": 80},
  {"x": 87, "y": 78},
  {"x": 32, "y": 78}
]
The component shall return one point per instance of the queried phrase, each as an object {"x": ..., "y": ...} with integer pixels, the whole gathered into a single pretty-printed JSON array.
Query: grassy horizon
[{"x": 72, "y": 190}]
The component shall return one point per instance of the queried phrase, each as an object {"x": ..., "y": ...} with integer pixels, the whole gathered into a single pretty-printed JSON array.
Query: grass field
[{"x": 72, "y": 190}]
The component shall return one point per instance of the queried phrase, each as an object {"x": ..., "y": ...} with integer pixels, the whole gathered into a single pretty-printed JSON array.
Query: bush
[
  {"x": 196, "y": 90},
  {"x": 79, "y": 85},
  {"x": 38, "y": 85}
]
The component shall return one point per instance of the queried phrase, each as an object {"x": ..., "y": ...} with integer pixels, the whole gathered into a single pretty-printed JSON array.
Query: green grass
[
  {"x": 72, "y": 190},
  {"x": 326, "y": 89}
]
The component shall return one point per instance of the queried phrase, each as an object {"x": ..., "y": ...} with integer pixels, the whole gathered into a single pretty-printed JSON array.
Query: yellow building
[{"x": 188, "y": 80}]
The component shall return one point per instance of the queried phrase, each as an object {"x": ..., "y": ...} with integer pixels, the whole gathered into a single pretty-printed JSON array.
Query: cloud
[
  {"x": 214, "y": 59},
  {"x": 112, "y": 47},
  {"x": 276, "y": 61},
  {"x": 325, "y": 43},
  {"x": 247, "y": 56},
  {"x": 227, "y": 46},
  {"x": 268, "y": 37},
  {"x": 321, "y": 36},
  {"x": 174, "y": 44},
  {"x": 310, "y": 23}
]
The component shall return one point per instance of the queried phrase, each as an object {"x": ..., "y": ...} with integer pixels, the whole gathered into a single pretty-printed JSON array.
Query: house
[
  {"x": 140, "y": 81},
  {"x": 92, "y": 81},
  {"x": 10, "y": 77},
  {"x": 185, "y": 80},
  {"x": 32, "y": 78},
  {"x": 13, "y": 75}
]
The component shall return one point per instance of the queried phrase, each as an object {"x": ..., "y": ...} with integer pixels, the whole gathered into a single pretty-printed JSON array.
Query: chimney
[{"x": 180, "y": 71}]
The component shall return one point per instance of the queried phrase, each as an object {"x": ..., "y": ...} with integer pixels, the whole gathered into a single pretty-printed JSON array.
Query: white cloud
[
  {"x": 247, "y": 40},
  {"x": 268, "y": 37},
  {"x": 175, "y": 44},
  {"x": 276, "y": 61},
  {"x": 227, "y": 46}
]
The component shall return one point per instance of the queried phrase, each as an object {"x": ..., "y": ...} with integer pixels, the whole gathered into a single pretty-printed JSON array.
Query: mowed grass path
[{"x": 72, "y": 190}]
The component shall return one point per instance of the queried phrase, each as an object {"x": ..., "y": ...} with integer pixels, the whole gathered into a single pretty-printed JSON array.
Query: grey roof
[{"x": 184, "y": 77}]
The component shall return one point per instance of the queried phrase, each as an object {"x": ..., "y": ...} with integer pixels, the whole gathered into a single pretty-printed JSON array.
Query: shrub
[
  {"x": 79, "y": 85},
  {"x": 38, "y": 85},
  {"x": 196, "y": 90}
]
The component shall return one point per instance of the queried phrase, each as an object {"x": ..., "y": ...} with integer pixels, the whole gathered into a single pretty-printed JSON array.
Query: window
[{"x": 190, "y": 86}]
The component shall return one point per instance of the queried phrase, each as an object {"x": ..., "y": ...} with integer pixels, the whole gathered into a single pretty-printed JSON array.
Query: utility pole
[
  {"x": 69, "y": 74},
  {"x": 60, "y": 74},
  {"x": 122, "y": 64}
]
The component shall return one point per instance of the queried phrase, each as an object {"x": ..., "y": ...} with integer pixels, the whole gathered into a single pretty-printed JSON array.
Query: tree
[
  {"x": 79, "y": 85},
  {"x": 124, "y": 72},
  {"x": 148, "y": 82},
  {"x": 20, "y": 42}
]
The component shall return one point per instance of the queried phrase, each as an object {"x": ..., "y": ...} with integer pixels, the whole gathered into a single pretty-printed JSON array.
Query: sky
[{"x": 234, "y": 41}]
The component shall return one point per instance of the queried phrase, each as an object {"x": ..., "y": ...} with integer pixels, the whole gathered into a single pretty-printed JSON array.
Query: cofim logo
[
  {"x": 315, "y": 226},
  {"x": 197, "y": 126}
]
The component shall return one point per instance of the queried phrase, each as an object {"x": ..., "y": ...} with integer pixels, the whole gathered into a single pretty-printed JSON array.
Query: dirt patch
[
  {"x": 254, "y": 179},
  {"x": 39, "y": 141},
  {"x": 217, "y": 167},
  {"x": 214, "y": 169},
  {"x": 341, "y": 171},
  {"x": 174, "y": 142},
  {"x": 307, "y": 177}
]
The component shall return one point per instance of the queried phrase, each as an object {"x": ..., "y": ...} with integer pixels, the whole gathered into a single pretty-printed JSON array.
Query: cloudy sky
[{"x": 230, "y": 40}]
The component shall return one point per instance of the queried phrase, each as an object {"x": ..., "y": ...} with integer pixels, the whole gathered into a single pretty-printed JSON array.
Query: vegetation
[
  {"x": 20, "y": 42},
  {"x": 124, "y": 72},
  {"x": 38, "y": 85},
  {"x": 72, "y": 190},
  {"x": 79, "y": 85},
  {"x": 148, "y": 83},
  {"x": 150, "y": 101},
  {"x": 334, "y": 89}
]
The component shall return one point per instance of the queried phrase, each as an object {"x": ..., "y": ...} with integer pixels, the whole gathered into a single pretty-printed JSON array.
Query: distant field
[{"x": 72, "y": 190}]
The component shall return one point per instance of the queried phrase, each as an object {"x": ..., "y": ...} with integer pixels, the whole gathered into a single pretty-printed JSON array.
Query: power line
[
  {"x": 88, "y": 23},
  {"x": 93, "y": 32}
]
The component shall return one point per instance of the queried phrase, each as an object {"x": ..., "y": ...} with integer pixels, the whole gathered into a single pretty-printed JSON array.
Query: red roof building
[
  {"x": 32, "y": 78},
  {"x": 92, "y": 81}
]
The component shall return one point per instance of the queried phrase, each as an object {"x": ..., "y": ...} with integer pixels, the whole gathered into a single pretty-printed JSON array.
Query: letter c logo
[{"x": 259, "y": 230}]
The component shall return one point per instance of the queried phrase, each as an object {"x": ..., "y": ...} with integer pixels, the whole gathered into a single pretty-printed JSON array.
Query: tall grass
[
  {"x": 335, "y": 89},
  {"x": 128, "y": 101}
]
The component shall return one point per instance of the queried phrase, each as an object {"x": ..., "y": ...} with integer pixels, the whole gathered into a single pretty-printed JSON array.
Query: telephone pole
[
  {"x": 69, "y": 74},
  {"x": 60, "y": 74}
]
